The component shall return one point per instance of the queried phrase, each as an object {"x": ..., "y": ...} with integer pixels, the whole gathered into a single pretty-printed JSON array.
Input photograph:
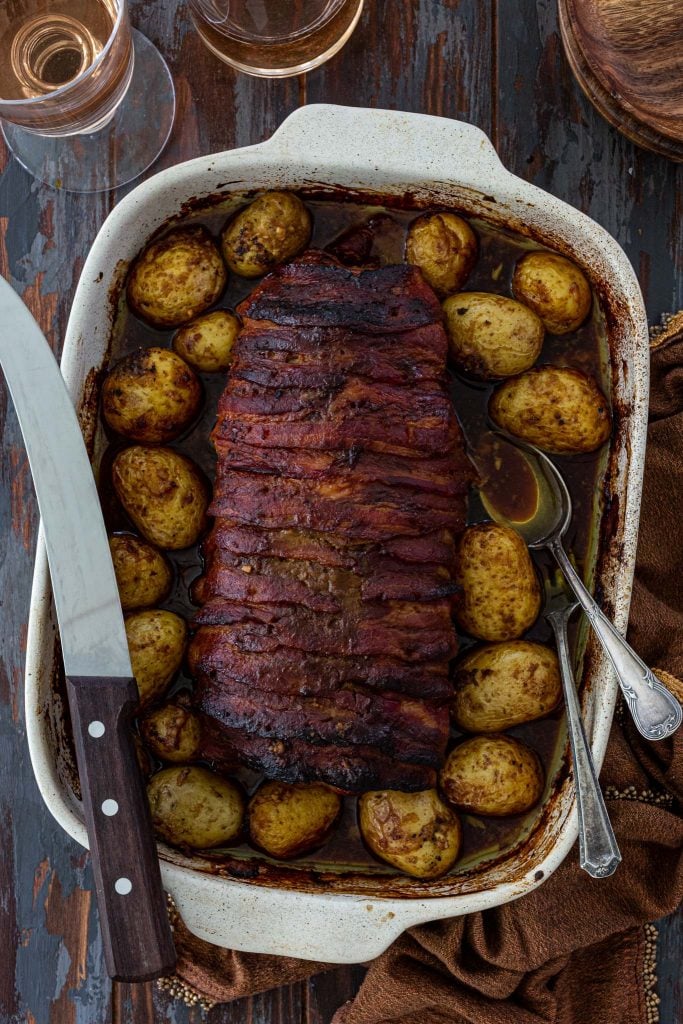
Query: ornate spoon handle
[
  {"x": 598, "y": 851},
  {"x": 656, "y": 712}
]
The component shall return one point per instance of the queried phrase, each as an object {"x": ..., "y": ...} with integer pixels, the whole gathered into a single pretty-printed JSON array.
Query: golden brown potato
[
  {"x": 444, "y": 247},
  {"x": 192, "y": 806},
  {"x": 151, "y": 395},
  {"x": 415, "y": 832},
  {"x": 176, "y": 277},
  {"x": 493, "y": 776},
  {"x": 207, "y": 342},
  {"x": 500, "y": 685},
  {"x": 156, "y": 641},
  {"x": 172, "y": 733},
  {"x": 554, "y": 288},
  {"x": 288, "y": 820},
  {"x": 143, "y": 575},
  {"x": 558, "y": 409},
  {"x": 271, "y": 230},
  {"x": 164, "y": 493},
  {"x": 490, "y": 335},
  {"x": 501, "y": 596}
]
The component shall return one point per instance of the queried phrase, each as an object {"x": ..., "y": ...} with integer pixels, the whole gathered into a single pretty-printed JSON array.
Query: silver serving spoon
[
  {"x": 598, "y": 851},
  {"x": 656, "y": 712}
]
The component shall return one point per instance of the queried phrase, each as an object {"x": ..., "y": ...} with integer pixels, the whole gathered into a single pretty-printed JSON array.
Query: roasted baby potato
[
  {"x": 164, "y": 493},
  {"x": 207, "y": 342},
  {"x": 192, "y": 806},
  {"x": 271, "y": 230},
  {"x": 501, "y": 596},
  {"x": 500, "y": 685},
  {"x": 558, "y": 409},
  {"x": 288, "y": 820},
  {"x": 143, "y": 575},
  {"x": 156, "y": 641},
  {"x": 490, "y": 335},
  {"x": 444, "y": 247},
  {"x": 493, "y": 776},
  {"x": 415, "y": 832},
  {"x": 554, "y": 288},
  {"x": 151, "y": 395},
  {"x": 172, "y": 733},
  {"x": 176, "y": 277}
]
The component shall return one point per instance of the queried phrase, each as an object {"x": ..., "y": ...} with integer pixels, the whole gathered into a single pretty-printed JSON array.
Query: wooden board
[
  {"x": 627, "y": 57},
  {"x": 500, "y": 66}
]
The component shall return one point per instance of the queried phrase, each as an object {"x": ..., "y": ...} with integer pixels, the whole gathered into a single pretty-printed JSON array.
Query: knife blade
[{"x": 102, "y": 693}]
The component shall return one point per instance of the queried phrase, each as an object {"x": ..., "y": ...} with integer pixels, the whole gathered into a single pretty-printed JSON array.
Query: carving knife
[{"x": 102, "y": 692}]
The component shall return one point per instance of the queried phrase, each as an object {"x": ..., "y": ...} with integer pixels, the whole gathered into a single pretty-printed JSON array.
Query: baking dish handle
[
  {"x": 310, "y": 926},
  {"x": 387, "y": 142}
]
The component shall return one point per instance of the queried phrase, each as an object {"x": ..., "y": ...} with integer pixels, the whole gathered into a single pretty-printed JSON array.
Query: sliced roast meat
[{"x": 324, "y": 636}]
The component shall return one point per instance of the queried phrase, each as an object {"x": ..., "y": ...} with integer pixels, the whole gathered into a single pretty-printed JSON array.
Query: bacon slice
[
  {"x": 324, "y": 635},
  {"x": 313, "y": 356},
  {"x": 327, "y": 549},
  {"x": 352, "y": 769},
  {"x": 403, "y": 421},
  {"x": 410, "y": 631},
  {"x": 257, "y": 580},
  {"x": 433, "y": 474},
  {"x": 285, "y": 671},
  {"x": 410, "y": 729},
  {"x": 360, "y": 510},
  {"x": 307, "y": 294}
]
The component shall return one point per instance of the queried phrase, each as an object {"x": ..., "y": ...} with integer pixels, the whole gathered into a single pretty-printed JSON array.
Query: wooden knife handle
[{"x": 137, "y": 938}]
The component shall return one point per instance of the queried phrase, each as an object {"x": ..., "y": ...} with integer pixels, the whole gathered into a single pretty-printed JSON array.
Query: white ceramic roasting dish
[{"x": 438, "y": 162}]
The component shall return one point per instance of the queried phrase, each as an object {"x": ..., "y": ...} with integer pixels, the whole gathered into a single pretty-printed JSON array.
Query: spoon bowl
[{"x": 553, "y": 511}]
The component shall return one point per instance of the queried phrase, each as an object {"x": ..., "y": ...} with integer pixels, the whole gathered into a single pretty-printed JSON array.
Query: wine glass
[
  {"x": 87, "y": 102},
  {"x": 275, "y": 38}
]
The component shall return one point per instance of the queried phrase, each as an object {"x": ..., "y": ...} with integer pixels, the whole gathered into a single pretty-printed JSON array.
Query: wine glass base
[{"x": 120, "y": 151}]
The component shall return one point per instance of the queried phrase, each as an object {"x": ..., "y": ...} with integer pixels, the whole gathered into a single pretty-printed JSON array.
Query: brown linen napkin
[{"x": 575, "y": 950}]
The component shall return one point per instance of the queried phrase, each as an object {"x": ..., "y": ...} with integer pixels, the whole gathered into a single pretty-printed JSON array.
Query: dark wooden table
[{"x": 498, "y": 65}]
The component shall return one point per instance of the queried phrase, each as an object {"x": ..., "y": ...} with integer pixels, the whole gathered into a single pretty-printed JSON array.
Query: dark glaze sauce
[
  {"x": 510, "y": 485},
  {"x": 506, "y": 481}
]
